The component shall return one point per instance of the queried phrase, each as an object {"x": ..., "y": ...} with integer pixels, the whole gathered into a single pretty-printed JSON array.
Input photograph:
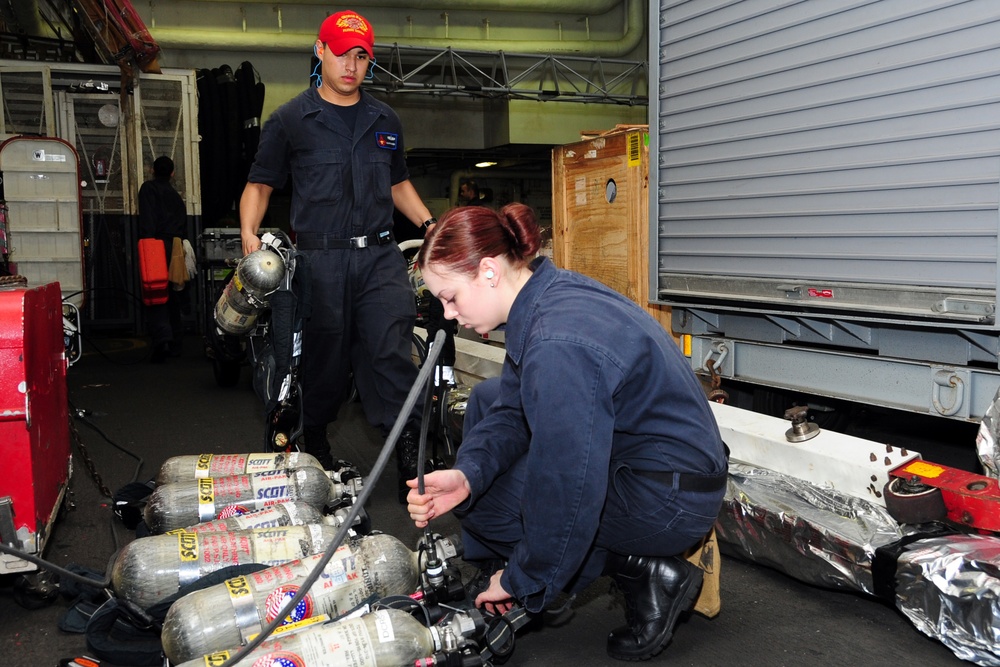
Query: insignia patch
[
  {"x": 230, "y": 511},
  {"x": 277, "y": 599},
  {"x": 279, "y": 659},
  {"x": 387, "y": 140},
  {"x": 351, "y": 22}
]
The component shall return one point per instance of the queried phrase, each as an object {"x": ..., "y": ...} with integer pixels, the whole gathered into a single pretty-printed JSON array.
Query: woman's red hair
[{"x": 465, "y": 235}]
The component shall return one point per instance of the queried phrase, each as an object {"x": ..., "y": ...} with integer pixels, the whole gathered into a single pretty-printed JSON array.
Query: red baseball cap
[{"x": 343, "y": 31}]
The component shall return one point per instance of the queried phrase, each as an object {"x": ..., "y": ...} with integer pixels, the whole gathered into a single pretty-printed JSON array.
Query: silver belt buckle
[{"x": 359, "y": 242}]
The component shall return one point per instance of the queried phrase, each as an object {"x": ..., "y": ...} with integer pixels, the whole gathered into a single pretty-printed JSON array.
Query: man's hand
[
  {"x": 443, "y": 491},
  {"x": 251, "y": 242},
  {"x": 253, "y": 206},
  {"x": 495, "y": 599}
]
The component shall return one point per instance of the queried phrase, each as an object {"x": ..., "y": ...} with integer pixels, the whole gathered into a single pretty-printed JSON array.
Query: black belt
[
  {"x": 323, "y": 242},
  {"x": 688, "y": 481}
]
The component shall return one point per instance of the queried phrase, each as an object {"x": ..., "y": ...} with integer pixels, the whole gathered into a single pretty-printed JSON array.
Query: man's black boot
[
  {"x": 160, "y": 352},
  {"x": 407, "y": 456},
  {"x": 657, "y": 591},
  {"x": 315, "y": 442}
]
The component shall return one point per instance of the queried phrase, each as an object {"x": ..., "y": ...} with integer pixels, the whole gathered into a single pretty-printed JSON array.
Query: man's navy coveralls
[{"x": 363, "y": 308}]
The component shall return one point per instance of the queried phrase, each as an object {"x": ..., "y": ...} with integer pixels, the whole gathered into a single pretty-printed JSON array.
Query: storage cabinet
[
  {"x": 42, "y": 192},
  {"x": 34, "y": 418}
]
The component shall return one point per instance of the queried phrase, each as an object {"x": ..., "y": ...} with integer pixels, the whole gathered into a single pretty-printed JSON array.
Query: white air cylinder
[
  {"x": 152, "y": 568},
  {"x": 291, "y": 513},
  {"x": 196, "y": 466},
  {"x": 179, "y": 504},
  {"x": 256, "y": 276},
  {"x": 228, "y": 614},
  {"x": 383, "y": 638}
]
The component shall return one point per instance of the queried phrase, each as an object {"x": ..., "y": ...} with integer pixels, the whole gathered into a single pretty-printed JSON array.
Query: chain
[
  {"x": 88, "y": 462},
  {"x": 717, "y": 393},
  {"x": 13, "y": 281}
]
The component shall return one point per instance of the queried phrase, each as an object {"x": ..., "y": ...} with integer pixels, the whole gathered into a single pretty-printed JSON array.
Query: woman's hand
[
  {"x": 495, "y": 599},
  {"x": 443, "y": 491}
]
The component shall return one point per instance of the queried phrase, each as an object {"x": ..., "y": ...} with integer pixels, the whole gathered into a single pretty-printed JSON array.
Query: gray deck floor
[{"x": 157, "y": 411}]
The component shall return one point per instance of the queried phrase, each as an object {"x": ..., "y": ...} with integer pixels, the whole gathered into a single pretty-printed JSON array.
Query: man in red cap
[{"x": 343, "y": 150}]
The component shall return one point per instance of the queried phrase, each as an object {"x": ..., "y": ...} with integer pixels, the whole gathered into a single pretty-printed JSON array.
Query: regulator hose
[
  {"x": 426, "y": 372},
  {"x": 61, "y": 571}
]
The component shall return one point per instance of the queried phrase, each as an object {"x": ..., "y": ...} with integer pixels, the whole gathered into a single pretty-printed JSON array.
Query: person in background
[
  {"x": 344, "y": 153},
  {"x": 468, "y": 193},
  {"x": 162, "y": 215},
  {"x": 594, "y": 453}
]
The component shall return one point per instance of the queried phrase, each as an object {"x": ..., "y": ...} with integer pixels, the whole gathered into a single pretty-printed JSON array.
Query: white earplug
[{"x": 489, "y": 273}]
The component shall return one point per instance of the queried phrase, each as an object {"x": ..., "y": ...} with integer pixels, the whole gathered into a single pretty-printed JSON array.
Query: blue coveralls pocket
[
  {"x": 394, "y": 292},
  {"x": 318, "y": 175},
  {"x": 380, "y": 175},
  {"x": 329, "y": 303},
  {"x": 645, "y": 517}
]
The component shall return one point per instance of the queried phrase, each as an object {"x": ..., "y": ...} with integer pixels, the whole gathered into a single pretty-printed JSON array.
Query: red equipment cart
[{"x": 34, "y": 419}]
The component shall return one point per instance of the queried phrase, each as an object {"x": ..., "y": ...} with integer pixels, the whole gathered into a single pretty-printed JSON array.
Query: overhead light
[{"x": 483, "y": 165}]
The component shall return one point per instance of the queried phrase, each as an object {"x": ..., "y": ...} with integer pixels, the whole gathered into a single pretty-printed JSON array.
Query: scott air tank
[
  {"x": 291, "y": 513},
  {"x": 256, "y": 276},
  {"x": 179, "y": 504},
  {"x": 151, "y": 568},
  {"x": 180, "y": 468},
  {"x": 229, "y": 614},
  {"x": 383, "y": 638}
]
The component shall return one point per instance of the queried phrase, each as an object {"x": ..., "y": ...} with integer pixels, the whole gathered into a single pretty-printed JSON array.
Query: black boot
[
  {"x": 481, "y": 579},
  {"x": 160, "y": 352},
  {"x": 315, "y": 443},
  {"x": 656, "y": 591},
  {"x": 407, "y": 456}
]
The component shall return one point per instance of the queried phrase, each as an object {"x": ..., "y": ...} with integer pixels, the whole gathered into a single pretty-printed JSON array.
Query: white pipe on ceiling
[
  {"x": 218, "y": 40},
  {"x": 539, "y": 6}
]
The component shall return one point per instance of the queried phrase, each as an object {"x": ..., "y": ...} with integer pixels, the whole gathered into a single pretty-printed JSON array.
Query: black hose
[
  {"x": 496, "y": 630},
  {"x": 82, "y": 415},
  {"x": 61, "y": 571},
  {"x": 387, "y": 449},
  {"x": 52, "y": 567}
]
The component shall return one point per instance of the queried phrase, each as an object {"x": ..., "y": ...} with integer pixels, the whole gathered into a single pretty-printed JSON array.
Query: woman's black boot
[{"x": 657, "y": 591}]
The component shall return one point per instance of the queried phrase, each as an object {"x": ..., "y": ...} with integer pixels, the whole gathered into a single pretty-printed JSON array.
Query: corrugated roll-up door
[{"x": 830, "y": 155}]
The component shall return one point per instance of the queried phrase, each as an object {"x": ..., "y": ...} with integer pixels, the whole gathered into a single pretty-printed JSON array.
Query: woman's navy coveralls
[
  {"x": 363, "y": 308},
  {"x": 592, "y": 389}
]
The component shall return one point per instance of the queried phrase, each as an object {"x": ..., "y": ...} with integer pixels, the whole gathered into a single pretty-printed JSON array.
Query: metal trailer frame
[{"x": 825, "y": 198}]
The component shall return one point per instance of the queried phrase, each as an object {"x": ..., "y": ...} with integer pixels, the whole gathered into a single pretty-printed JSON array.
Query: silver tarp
[
  {"x": 988, "y": 439},
  {"x": 948, "y": 586},
  {"x": 817, "y": 535}
]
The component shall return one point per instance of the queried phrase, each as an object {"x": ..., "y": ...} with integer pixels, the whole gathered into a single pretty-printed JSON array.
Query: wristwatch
[{"x": 427, "y": 223}]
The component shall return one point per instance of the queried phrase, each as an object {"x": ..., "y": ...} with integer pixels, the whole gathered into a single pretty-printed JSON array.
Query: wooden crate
[{"x": 600, "y": 212}]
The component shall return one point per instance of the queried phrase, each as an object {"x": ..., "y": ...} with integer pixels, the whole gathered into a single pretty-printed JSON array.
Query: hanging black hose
[
  {"x": 423, "y": 377},
  {"x": 61, "y": 571},
  {"x": 81, "y": 415}
]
